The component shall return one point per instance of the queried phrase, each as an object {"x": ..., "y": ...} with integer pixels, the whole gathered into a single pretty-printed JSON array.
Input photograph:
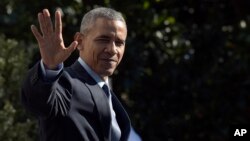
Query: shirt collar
[{"x": 97, "y": 78}]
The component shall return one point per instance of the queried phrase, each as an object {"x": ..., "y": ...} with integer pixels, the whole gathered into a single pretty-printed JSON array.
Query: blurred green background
[{"x": 185, "y": 73}]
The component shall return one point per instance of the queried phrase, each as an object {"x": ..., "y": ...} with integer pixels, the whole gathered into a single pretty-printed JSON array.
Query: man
[{"x": 76, "y": 103}]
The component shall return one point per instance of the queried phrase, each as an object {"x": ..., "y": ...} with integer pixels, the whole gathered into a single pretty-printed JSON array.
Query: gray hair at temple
[{"x": 101, "y": 12}]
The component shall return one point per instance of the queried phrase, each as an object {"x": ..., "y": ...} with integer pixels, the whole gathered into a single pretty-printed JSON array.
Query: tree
[{"x": 15, "y": 125}]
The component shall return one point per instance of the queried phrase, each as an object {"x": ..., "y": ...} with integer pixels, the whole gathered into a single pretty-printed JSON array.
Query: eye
[
  {"x": 119, "y": 43},
  {"x": 103, "y": 40}
]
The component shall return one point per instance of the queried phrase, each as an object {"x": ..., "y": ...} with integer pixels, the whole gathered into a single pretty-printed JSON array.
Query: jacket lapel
[
  {"x": 98, "y": 96},
  {"x": 103, "y": 109},
  {"x": 122, "y": 117}
]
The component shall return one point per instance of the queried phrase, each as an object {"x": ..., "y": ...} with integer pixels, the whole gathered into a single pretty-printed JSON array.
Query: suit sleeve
[{"x": 46, "y": 98}]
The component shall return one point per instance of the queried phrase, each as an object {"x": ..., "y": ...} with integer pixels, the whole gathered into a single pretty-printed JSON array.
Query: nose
[{"x": 112, "y": 48}]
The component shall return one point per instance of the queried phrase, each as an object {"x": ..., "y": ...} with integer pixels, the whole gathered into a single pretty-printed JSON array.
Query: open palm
[{"x": 51, "y": 44}]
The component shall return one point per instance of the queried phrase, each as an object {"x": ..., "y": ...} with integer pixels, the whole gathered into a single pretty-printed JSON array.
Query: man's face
[{"x": 103, "y": 46}]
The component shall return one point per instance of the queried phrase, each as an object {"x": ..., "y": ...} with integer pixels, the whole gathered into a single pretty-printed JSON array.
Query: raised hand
[{"x": 51, "y": 44}]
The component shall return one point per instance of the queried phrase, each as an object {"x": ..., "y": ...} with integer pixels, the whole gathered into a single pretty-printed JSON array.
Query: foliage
[
  {"x": 185, "y": 73},
  {"x": 14, "y": 124}
]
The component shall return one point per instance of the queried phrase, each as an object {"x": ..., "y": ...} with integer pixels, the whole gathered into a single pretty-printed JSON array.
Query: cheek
[
  {"x": 120, "y": 55},
  {"x": 122, "y": 51},
  {"x": 96, "y": 55}
]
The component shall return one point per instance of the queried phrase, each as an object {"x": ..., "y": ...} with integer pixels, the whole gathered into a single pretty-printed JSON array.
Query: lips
[{"x": 108, "y": 60}]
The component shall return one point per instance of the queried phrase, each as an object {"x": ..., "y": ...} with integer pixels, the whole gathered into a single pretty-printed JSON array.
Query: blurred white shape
[
  {"x": 243, "y": 24},
  {"x": 159, "y": 34}
]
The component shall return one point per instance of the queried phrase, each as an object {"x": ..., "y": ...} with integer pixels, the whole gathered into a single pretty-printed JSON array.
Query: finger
[
  {"x": 36, "y": 33},
  {"x": 58, "y": 23},
  {"x": 42, "y": 23},
  {"x": 72, "y": 47},
  {"x": 47, "y": 21}
]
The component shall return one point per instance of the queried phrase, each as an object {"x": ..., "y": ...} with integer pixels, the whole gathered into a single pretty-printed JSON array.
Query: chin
[{"x": 108, "y": 72}]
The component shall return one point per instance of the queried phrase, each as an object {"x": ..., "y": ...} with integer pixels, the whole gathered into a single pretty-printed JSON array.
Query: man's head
[{"x": 102, "y": 40}]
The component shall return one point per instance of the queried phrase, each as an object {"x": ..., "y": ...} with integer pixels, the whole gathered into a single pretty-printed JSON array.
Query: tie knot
[{"x": 106, "y": 89}]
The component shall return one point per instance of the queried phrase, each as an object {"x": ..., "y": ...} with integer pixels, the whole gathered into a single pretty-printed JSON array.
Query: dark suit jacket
[{"x": 72, "y": 107}]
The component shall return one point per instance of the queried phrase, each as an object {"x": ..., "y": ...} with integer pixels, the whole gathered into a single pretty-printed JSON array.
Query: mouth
[{"x": 108, "y": 60}]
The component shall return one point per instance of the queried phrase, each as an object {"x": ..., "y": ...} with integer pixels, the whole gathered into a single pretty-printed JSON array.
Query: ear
[{"x": 79, "y": 38}]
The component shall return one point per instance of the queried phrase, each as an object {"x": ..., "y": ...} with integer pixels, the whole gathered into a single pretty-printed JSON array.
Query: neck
[{"x": 104, "y": 78}]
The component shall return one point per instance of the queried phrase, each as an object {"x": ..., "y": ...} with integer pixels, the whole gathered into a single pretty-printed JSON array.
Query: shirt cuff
[{"x": 50, "y": 74}]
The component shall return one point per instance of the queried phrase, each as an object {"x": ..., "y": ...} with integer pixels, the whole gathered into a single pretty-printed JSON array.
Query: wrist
[{"x": 52, "y": 67}]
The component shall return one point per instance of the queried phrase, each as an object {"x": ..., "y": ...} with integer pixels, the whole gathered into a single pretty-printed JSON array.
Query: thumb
[{"x": 72, "y": 47}]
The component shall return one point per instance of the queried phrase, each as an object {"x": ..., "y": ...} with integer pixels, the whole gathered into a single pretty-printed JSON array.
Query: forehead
[{"x": 109, "y": 27}]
